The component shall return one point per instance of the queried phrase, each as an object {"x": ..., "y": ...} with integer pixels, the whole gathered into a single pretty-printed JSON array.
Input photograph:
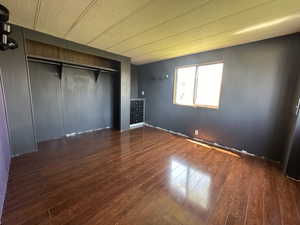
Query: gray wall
[
  {"x": 46, "y": 100},
  {"x": 18, "y": 93},
  {"x": 134, "y": 81},
  {"x": 258, "y": 79},
  {"x": 4, "y": 150},
  {"x": 75, "y": 103},
  {"x": 87, "y": 104}
]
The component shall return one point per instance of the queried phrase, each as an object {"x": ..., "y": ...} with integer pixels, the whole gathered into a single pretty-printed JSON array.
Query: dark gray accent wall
[
  {"x": 75, "y": 103},
  {"x": 46, "y": 100},
  {"x": 87, "y": 104},
  {"x": 254, "y": 105},
  {"x": 17, "y": 94},
  {"x": 134, "y": 81},
  {"x": 4, "y": 149}
]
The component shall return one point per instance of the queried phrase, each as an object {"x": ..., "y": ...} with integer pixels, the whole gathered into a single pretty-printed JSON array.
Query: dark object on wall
[
  {"x": 162, "y": 77},
  {"x": 4, "y": 13},
  {"x": 5, "y": 29},
  {"x": 137, "y": 111}
]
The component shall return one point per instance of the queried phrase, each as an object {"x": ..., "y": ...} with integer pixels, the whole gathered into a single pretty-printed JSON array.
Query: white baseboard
[
  {"x": 66, "y": 135},
  {"x": 294, "y": 179},
  {"x": 213, "y": 144},
  {"x": 137, "y": 125},
  {"x": 85, "y": 132}
]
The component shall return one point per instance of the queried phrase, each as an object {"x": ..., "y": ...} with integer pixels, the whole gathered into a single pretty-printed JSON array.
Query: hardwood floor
[{"x": 145, "y": 177}]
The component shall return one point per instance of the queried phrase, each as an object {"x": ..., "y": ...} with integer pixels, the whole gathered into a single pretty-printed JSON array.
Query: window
[
  {"x": 198, "y": 85},
  {"x": 185, "y": 85}
]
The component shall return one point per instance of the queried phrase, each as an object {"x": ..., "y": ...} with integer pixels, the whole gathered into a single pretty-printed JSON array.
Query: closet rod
[
  {"x": 79, "y": 67},
  {"x": 43, "y": 61},
  {"x": 52, "y": 62}
]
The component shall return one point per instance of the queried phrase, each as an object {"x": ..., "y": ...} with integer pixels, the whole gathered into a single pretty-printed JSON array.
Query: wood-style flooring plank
[{"x": 145, "y": 176}]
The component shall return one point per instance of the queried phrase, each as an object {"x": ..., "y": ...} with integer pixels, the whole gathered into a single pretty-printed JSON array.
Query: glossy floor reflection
[
  {"x": 145, "y": 177},
  {"x": 191, "y": 183}
]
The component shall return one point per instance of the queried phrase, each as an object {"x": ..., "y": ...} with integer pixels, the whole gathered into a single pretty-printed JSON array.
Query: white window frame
[{"x": 195, "y": 86}]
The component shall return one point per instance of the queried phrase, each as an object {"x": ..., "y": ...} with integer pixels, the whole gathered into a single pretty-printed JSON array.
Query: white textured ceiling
[{"x": 152, "y": 30}]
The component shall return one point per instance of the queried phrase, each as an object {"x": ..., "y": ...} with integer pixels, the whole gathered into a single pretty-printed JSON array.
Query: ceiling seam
[
  {"x": 223, "y": 32},
  {"x": 157, "y": 25},
  {"x": 151, "y": 60},
  {"x": 81, "y": 16},
  {"x": 120, "y": 21},
  {"x": 37, "y": 13},
  {"x": 157, "y": 50},
  {"x": 234, "y": 14},
  {"x": 146, "y": 61},
  {"x": 198, "y": 51}
]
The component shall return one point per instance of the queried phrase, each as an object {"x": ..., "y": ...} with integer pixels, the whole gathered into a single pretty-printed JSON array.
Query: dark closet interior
[{"x": 71, "y": 96}]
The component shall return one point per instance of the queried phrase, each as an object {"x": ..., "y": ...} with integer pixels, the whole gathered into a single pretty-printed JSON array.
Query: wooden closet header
[{"x": 45, "y": 51}]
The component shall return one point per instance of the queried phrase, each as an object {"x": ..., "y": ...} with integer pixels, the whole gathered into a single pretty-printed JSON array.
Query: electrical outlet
[{"x": 196, "y": 132}]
